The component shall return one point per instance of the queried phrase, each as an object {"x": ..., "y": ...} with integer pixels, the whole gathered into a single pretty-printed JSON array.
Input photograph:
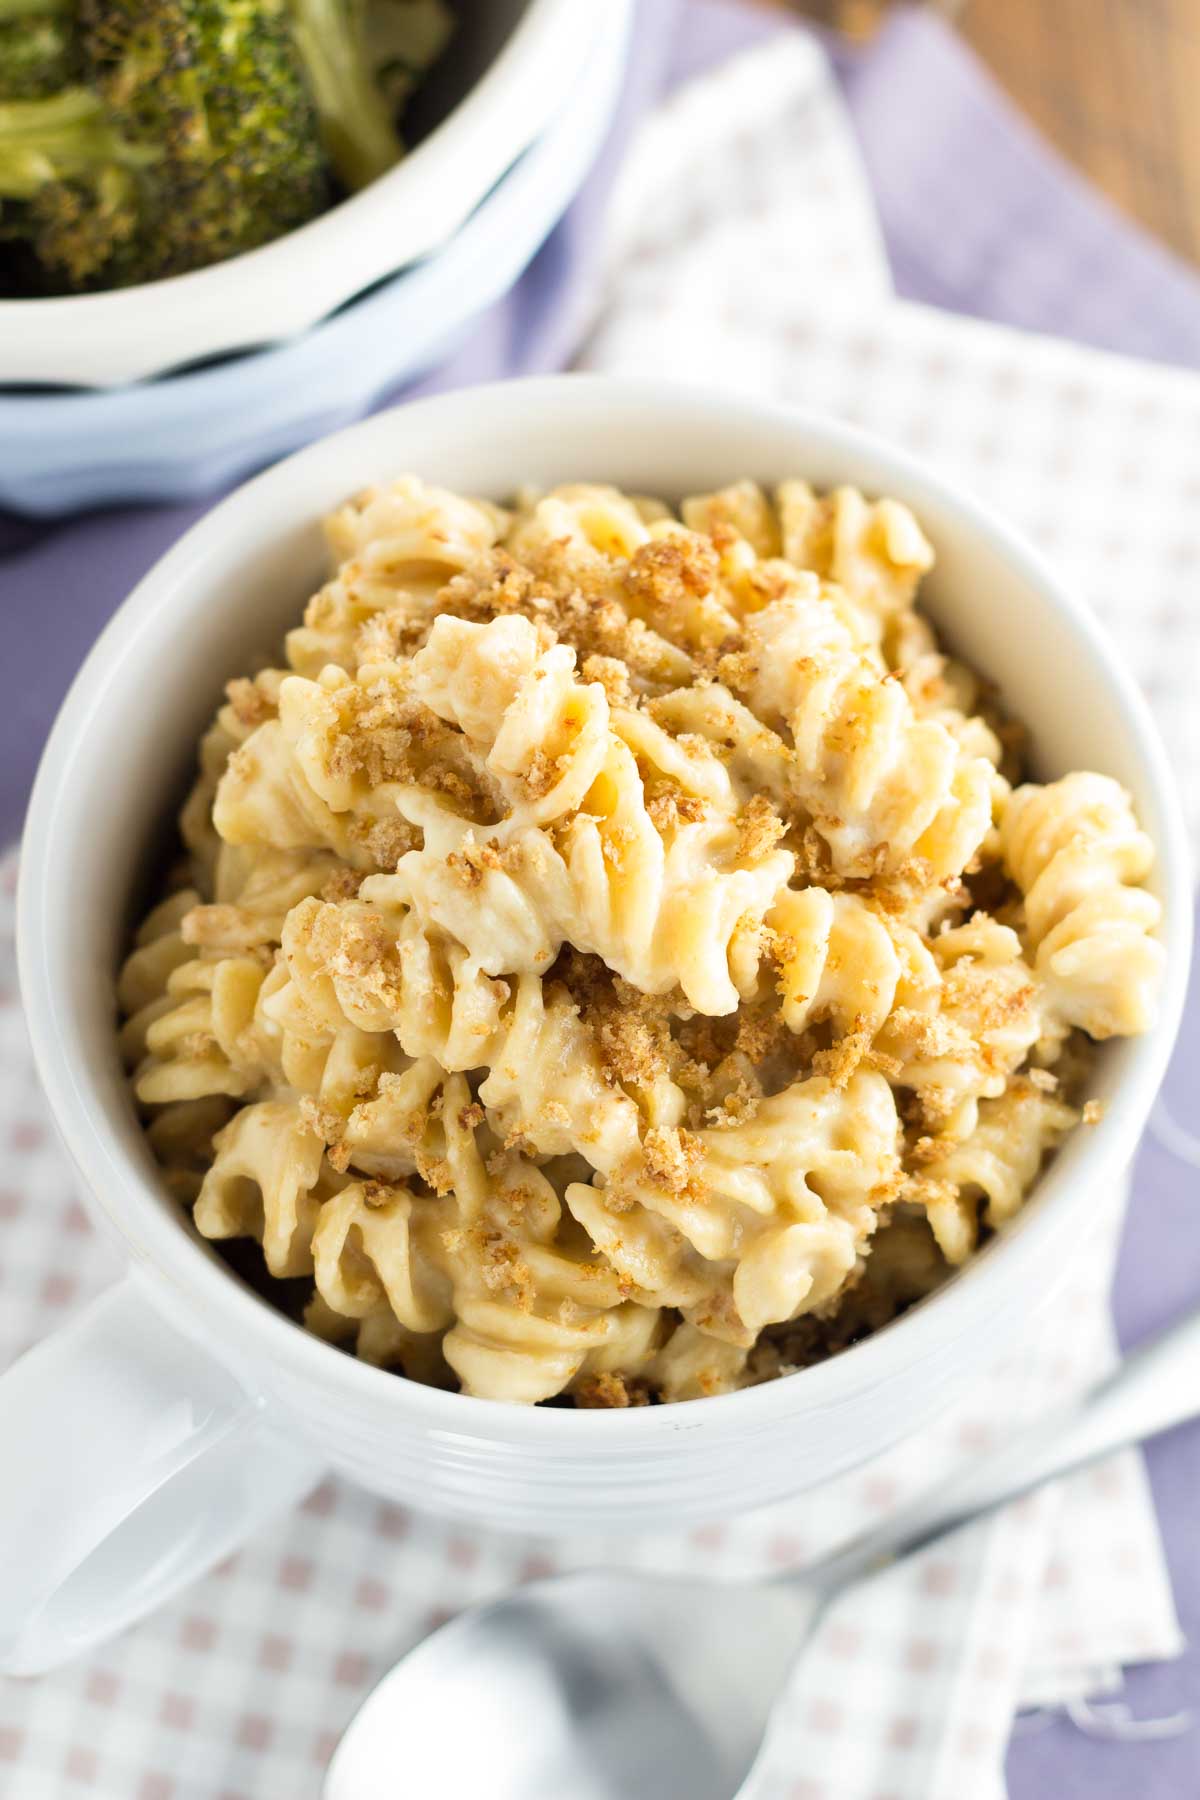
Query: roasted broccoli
[
  {"x": 144, "y": 138},
  {"x": 193, "y": 137},
  {"x": 75, "y": 179},
  {"x": 37, "y": 48}
]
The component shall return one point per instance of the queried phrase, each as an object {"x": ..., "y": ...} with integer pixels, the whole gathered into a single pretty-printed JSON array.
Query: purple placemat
[{"x": 981, "y": 218}]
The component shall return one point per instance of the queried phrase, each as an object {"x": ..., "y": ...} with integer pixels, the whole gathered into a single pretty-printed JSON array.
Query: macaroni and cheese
[{"x": 615, "y": 957}]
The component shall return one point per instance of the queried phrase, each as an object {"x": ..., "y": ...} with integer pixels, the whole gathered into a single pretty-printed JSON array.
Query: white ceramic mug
[{"x": 173, "y": 1416}]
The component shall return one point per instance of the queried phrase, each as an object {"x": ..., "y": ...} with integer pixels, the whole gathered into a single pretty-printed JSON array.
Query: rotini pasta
[
  {"x": 876, "y": 553},
  {"x": 524, "y": 1313},
  {"x": 613, "y": 962},
  {"x": 994, "y": 1165},
  {"x": 1075, "y": 851},
  {"x": 742, "y": 1226},
  {"x": 881, "y": 785}
]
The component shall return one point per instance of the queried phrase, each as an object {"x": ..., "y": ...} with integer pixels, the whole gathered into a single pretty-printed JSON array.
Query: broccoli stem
[
  {"x": 62, "y": 138},
  {"x": 355, "y": 119}
]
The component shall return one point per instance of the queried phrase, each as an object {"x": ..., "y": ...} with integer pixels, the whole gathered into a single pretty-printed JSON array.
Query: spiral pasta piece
[
  {"x": 587, "y": 518},
  {"x": 189, "y": 1032},
  {"x": 882, "y": 786},
  {"x": 545, "y": 1081},
  {"x": 209, "y": 1010},
  {"x": 545, "y": 733},
  {"x": 249, "y": 703},
  {"x": 396, "y": 547},
  {"x": 986, "y": 1176},
  {"x": 707, "y": 726},
  {"x": 181, "y": 1136},
  {"x": 267, "y": 1181},
  {"x": 692, "y": 1365},
  {"x": 526, "y": 1317},
  {"x": 661, "y": 904},
  {"x": 957, "y": 1036},
  {"x": 263, "y": 799},
  {"x": 837, "y": 960},
  {"x": 744, "y": 1226},
  {"x": 874, "y": 551},
  {"x": 1079, "y": 857}
]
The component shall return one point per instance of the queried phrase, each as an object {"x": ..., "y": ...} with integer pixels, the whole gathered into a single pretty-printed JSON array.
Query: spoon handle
[{"x": 1155, "y": 1387}]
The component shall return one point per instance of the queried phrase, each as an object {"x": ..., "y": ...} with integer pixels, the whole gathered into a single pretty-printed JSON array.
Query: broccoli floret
[
  {"x": 38, "y": 53},
  {"x": 218, "y": 87},
  {"x": 357, "y": 121},
  {"x": 74, "y": 178},
  {"x": 144, "y": 138},
  {"x": 70, "y": 134},
  {"x": 202, "y": 143}
]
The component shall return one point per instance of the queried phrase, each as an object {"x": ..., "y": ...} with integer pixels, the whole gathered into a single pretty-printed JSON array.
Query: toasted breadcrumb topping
[
  {"x": 759, "y": 830},
  {"x": 609, "y": 1389}
]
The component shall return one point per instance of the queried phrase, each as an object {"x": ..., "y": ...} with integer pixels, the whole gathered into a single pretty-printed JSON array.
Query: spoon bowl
[
  {"x": 596, "y": 1686},
  {"x": 607, "y": 1685}
]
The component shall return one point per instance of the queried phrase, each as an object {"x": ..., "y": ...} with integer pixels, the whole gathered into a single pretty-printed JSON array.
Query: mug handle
[{"x": 133, "y": 1463}]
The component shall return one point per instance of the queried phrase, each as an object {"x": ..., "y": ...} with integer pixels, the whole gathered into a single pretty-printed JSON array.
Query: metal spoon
[{"x": 615, "y": 1686}]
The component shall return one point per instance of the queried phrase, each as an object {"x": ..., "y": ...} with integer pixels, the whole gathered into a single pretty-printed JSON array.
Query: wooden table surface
[{"x": 1115, "y": 84}]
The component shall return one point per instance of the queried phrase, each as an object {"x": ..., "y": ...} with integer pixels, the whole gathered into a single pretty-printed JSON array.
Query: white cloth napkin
[{"x": 745, "y": 250}]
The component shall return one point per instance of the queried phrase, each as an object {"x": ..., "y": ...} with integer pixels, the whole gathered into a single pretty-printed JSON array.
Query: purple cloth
[{"x": 979, "y": 217}]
